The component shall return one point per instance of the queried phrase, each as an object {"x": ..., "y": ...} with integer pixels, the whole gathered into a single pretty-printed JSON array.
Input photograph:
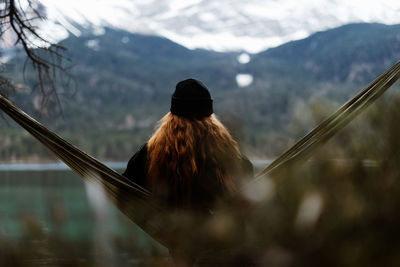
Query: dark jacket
[{"x": 205, "y": 189}]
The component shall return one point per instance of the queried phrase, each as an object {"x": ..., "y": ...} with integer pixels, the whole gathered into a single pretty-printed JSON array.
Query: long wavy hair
[{"x": 190, "y": 159}]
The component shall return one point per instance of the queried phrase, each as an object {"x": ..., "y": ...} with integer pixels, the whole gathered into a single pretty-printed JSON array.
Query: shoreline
[
  {"x": 50, "y": 166},
  {"x": 60, "y": 166}
]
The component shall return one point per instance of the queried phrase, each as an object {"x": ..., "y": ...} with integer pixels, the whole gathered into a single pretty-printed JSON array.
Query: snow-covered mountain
[{"x": 222, "y": 25}]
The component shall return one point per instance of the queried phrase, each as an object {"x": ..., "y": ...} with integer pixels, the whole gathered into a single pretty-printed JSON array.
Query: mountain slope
[
  {"x": 125, "y": 81},
  {"x": 354, "y": 53},
  {"x": 222, "y": 25}
]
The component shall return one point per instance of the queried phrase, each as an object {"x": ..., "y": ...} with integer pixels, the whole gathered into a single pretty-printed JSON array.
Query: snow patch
[
  {"x": 223, "y": 25},
  {"x": 93, "y": 44},
  {"x": 244, "y": 79},
  {"x": 68, "y": 26},
  {"x": 208, "y": 17},
  {"x": 98, "y": 31},
  {"x": 125, "y": 39},
  {"x": 243, "y": 58}
]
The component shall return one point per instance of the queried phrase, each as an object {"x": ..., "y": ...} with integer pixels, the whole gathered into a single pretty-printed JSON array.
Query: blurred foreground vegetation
[
  {"x": 51, "y": 218},
  {"x": 342, "y": 207}
]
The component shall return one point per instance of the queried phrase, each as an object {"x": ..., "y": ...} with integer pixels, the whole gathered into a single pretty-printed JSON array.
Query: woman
[{"x": 191, "y": 161}]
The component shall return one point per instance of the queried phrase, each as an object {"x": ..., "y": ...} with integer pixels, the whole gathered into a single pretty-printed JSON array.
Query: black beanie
[{"x": 191, "y": 99}]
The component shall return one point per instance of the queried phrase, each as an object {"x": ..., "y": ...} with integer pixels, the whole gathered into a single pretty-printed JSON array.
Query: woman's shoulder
[
  {"x": 139, "y": 157},
  {"x": 136, "y": 167}
]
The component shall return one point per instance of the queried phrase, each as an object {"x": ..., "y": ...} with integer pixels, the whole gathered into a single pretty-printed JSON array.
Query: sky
[{"x": 223, "y": 25}]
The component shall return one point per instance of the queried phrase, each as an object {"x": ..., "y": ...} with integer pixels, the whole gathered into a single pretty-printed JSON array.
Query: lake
[{"x": 49, "y": 216}]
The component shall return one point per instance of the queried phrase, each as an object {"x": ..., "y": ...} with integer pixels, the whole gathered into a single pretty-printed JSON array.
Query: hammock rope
[
  {"x": 138, "y": 204},
  {"x": 134, "y": 201},
  {"x": 303, "y": 148}
]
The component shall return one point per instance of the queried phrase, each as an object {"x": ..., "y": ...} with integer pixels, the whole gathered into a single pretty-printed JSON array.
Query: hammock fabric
[
  {"x": 132, "y": 200},
  {"x": 139, "y": 205},
  {"x": 303, "y": 148}
]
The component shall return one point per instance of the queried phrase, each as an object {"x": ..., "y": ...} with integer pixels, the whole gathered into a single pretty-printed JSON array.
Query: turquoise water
[
  {"x": 49, "y": 216},
  {"x": 37, "y": 205},
  {"x": 57, "y": 200}
]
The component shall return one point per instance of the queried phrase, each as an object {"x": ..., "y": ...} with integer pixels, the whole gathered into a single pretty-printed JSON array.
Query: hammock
[
  {"x": 137, "y": 203},
  {"x": 303, "y": 148},
  {"x": 131, "y": 199}
]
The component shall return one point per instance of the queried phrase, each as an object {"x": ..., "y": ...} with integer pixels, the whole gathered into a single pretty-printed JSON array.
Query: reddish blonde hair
[{"x": 182, "y": 149}]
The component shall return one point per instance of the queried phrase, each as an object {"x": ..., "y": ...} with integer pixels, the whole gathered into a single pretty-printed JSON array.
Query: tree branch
[{"x": 46, "y": 58}]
